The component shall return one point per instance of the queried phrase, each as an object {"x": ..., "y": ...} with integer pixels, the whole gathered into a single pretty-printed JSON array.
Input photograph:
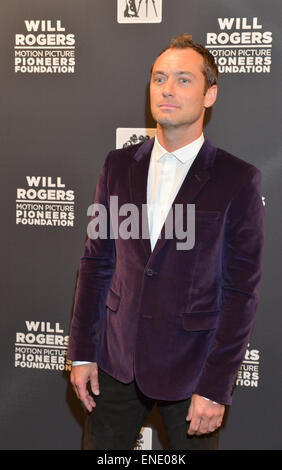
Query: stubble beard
[{"x": 166, "y": 123}]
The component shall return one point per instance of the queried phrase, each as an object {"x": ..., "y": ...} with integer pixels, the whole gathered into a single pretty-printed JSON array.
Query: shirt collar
[{"x": 182, "y": 154}]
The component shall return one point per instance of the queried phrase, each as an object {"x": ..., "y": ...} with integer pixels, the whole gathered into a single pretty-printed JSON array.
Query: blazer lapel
[
  {"x": 196, "y": 178},
  {"x": 138, "y": 175}
]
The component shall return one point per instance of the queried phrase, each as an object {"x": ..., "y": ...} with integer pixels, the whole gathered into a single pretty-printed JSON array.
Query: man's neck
[{"x": 172, "y": 139}]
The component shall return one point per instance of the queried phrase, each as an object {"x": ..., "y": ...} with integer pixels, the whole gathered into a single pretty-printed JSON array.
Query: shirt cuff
[
  {"x": 79, "y": 363},
  {"x": 214, "y": 402}
]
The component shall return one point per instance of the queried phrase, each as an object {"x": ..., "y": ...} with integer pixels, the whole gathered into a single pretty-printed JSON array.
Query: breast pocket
[{"x": 207, "y": 229}]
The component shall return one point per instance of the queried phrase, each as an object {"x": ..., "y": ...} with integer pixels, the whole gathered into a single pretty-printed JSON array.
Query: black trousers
[{"x": 121, "y": 410}]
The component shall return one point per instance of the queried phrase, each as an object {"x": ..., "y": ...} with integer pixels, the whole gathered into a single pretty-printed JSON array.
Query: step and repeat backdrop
[{"x": 74, "y": 85}]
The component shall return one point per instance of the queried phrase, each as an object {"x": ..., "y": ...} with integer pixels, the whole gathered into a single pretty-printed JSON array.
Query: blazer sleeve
[
  {"x": 96, "y": 269},
  {"x": 241, "y": 275}
]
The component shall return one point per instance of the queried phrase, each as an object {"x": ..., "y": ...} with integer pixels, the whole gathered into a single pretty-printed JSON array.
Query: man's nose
[{"x": 168, "y": 88}]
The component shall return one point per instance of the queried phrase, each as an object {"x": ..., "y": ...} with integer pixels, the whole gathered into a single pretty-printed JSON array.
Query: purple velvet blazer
[{"x": 178, "y": 321}]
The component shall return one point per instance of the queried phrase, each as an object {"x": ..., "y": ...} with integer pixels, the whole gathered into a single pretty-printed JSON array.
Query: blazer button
[{"x": 149, "y": 272}]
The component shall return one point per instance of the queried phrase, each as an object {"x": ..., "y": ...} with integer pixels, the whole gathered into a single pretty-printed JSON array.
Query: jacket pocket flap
[
  {"x": 200, "y": 321},
  {"x": 112, "y": 300}
]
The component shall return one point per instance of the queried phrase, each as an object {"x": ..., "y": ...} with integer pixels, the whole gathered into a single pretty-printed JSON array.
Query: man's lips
[{"x": 168, "y": 106}]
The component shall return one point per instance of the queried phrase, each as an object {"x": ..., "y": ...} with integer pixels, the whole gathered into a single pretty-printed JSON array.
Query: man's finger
[
  {"x": 94, "y": 383},
  {"x": 190, "y": 412},
  {"x": 194, "y": 425},
  {"x": 204, "y": 426},
  {"x": 85, "y": 398},
  {"x": 213, "y": 425}
]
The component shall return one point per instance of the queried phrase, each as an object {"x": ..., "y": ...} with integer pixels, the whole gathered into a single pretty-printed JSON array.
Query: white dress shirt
[{"x": 166, "y": 174}]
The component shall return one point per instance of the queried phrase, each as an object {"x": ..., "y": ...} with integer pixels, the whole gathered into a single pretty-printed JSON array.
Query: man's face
[{"x": 177, "y": 89}]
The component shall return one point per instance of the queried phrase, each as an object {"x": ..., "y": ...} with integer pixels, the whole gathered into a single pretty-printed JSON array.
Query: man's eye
[{"x": 184, "y": 80}]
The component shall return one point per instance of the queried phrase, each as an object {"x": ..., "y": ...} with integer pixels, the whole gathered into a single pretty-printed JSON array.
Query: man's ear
[{"x": 210, "y": 96}]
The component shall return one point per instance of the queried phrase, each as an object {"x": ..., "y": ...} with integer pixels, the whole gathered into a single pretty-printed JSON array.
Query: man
[{"x": 156, "y": 323}]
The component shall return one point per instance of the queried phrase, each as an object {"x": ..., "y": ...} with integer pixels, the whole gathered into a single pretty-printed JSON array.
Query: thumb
[
  {"x": 94, "y": 383},
  {"x": 190, "y": 412}
]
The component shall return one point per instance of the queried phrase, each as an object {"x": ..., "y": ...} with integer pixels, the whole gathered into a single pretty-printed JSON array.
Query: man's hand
[
  {"x": 79, "y": 377},
  {"x": 204, "y": 416}
]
